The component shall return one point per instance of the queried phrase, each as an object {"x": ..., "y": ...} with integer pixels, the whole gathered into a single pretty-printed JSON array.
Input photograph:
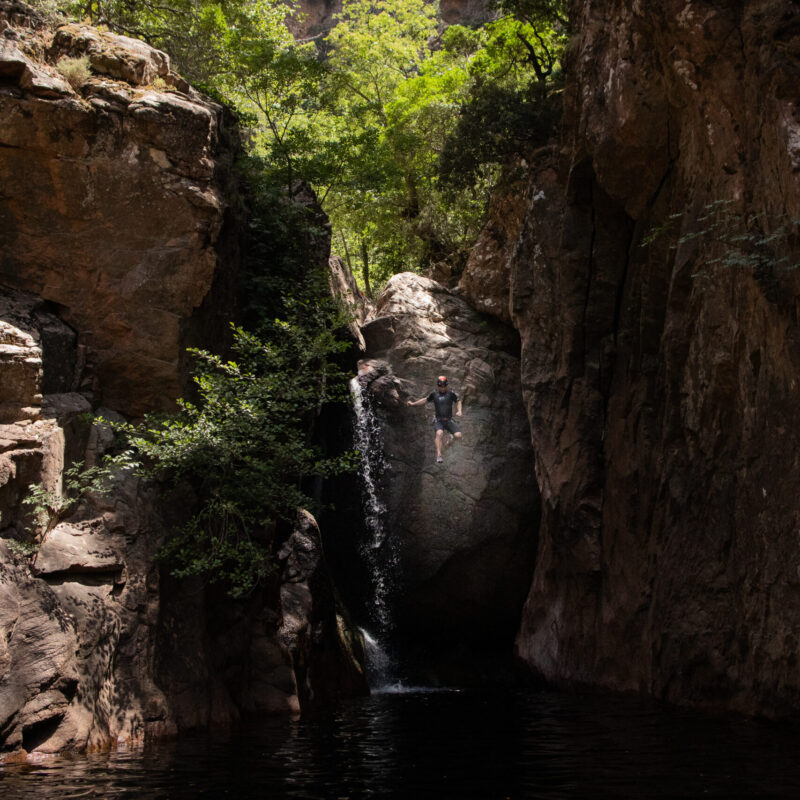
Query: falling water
[{"x": 377, "y": 552}]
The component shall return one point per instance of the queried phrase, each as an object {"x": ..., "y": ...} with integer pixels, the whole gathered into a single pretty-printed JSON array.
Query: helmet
[{"x": 441, "y": 380}]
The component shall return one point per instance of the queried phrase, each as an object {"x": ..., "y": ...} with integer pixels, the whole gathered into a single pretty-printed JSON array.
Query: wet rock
[{"x": 465, "y": 530}]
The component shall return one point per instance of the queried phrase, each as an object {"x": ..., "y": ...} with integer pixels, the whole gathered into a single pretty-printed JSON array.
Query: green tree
[
  {"x": 374, "y": 49},
  {"x": 243, "y": 449},
  {"x": 514, "y": 99},
  {"x": 438, "y": 116}
]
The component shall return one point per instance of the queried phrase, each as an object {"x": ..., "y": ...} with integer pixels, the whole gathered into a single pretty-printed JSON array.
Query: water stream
[{"x": 376, "y": 548}]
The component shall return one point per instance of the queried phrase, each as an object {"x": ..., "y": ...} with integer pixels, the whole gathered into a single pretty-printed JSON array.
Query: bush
[
  {"x": 75, "y": 70},
  {"x": 244, "y": 445}
]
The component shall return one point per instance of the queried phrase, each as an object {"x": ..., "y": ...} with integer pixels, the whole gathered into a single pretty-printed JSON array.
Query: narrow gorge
[{"x": 621, "y": 514}]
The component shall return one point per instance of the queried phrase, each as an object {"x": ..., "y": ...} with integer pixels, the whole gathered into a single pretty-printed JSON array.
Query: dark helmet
[{"x": 441, "y": 380}]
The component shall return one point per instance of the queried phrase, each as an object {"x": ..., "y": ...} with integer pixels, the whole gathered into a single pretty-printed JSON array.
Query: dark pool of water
[{"x": 447, "y": 745}]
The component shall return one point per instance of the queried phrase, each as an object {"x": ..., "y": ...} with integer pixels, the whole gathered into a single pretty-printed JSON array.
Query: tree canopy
[{"x": 401, "y": 125}]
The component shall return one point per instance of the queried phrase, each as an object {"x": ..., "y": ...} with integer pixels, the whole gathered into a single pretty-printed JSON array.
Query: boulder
[
  {"x": 70, "y": 549},
  {"x": 79, "y": 632},
  {"x": 119, "y": 57},
  {"x": 464, "y": 531}
]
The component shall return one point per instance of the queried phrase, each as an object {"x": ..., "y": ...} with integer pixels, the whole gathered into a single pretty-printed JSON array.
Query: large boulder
[
  {"x": 463, "y": 531},
  {"x": 78, "y": 626}
]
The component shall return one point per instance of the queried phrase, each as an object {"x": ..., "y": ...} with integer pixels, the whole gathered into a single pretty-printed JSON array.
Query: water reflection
[{"x": 447, "y": 745}]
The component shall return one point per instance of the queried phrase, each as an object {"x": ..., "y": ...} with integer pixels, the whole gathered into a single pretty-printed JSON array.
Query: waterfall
[{"x": 378, "y": 553}]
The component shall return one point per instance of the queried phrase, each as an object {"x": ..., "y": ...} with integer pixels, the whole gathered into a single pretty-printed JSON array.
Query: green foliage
[
  {"x": 761, "y": 245},
  {"x": 51, "y": 507},
  {"x": 401, "y": 129},
  {"x": 203, "y": 37},
  {"x": 514, "y": 101},
  {"x": 243, "y": 443},
  {"x": 539, "y": 13},
  {"x": 22, "y": 549},
  {"x": 438, "y": 118},
  {"x": 243, "y": 447},
  {"x": 495, "y": 125}
]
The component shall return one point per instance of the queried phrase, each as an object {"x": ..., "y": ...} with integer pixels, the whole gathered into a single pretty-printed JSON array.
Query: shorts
[{"x": 445, "y": 425}]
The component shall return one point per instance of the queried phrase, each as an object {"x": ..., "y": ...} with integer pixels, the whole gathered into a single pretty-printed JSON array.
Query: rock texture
[
  {"x": 113, "y": 221},
  {"x": 79, "y": 598},
  {"x": 79, "y": 619},
  {"x": 465, "y": 530},
  {"x": 285, "y": 649},
  {"x": 112, "y": 204},
  {"x": 660, "y": 367}
]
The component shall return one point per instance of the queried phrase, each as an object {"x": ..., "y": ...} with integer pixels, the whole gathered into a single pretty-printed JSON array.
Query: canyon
[
  {"x": 120, "y": 249},
  {"x": 624, "y": 502}
]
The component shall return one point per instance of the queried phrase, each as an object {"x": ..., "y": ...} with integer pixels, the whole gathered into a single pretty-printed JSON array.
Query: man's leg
[{"x": 439, "y": 437}]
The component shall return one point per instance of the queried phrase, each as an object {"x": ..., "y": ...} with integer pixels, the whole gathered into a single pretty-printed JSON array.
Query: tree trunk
[{"x": 365, "y": 267}]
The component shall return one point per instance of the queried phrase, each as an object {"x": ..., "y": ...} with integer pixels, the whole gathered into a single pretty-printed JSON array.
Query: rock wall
[
  {"x": 661, "y": 357},
  {"x": 464, "y": 531},
  {"x": 113, "y": 204},
  {"x": 117, "y": 251}
]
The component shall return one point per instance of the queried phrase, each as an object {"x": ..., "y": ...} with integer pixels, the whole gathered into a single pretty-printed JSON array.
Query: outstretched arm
[{"x": 417, "y": 402}]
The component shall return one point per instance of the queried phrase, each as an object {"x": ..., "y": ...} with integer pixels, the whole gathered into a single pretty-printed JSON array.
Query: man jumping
[{"x": 442, "y": 399}]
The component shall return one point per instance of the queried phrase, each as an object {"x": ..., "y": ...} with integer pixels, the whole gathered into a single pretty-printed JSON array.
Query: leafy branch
[
  {"x": 761, "y": 244},
  {"x": 51, "y": 507}
]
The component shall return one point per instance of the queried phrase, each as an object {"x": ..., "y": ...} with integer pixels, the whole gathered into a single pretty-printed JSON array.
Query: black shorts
[{"x": 445, "y": 425}]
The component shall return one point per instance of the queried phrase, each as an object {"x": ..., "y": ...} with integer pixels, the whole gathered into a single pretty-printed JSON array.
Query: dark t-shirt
[{"x": 443, "y": 402}]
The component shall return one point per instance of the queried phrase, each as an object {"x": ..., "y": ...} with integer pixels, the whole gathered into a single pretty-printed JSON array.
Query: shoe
[{"x": 439, "y": 460}]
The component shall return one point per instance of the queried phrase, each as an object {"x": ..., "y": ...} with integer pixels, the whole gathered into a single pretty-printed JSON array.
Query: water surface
[{"x": 447, "y": 744}]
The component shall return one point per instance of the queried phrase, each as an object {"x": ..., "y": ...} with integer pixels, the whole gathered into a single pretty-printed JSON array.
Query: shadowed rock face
[
  {"x": 661, "y": 379},
  {"x": 112, "y": 218},
  {"x": 464, "y": 530}
]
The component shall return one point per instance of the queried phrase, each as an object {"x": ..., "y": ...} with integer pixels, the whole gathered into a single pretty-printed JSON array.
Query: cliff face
[
  {"x": 117, "y": 251},
  {"x": 661, "y": 356},
  {"x": 113, "y": 204}
]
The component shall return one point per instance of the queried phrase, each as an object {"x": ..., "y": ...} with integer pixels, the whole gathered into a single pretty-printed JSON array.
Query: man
[{"x": 443, "y": 400}]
